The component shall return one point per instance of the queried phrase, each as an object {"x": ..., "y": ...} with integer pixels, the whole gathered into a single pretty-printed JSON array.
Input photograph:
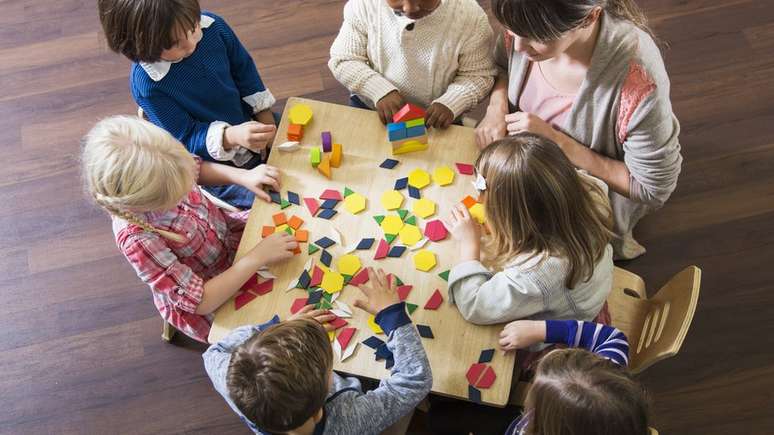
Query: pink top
[{"x": 541, "y": 99}]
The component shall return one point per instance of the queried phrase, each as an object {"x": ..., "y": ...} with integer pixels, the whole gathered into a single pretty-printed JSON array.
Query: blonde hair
[
  {"x": 130, "y": 165},
  {"x": 536, "y": 203}
]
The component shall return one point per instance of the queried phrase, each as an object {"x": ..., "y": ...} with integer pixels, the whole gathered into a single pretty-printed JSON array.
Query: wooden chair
[{"x": 655, "y": 327}]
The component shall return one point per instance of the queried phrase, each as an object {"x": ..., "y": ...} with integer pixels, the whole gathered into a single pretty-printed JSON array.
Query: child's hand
[
  {"x": 466, "y": 230},
  {"x": 262, "y": 175},
  {"x": 521, "y": 122},
  {"x": 251, "y": 135},
  {"x": 380, "y": 294},
  {"x": 438, "y": 116},
  {"x": 493, "y": 127},
  {"x": 273, "y": 249},
  {"x": 522, "y": 334},
  {"x": 321, "y": 316},
  {"x": 388, "y": 105}
]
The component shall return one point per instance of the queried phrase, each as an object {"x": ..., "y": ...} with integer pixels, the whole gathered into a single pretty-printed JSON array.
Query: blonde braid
[{"x": 136, "y": 220}]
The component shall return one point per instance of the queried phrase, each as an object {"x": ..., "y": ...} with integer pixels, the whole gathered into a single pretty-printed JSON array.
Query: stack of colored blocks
[
  {"x": 328, "y": 156},
  {"x": 299, "y": 116},
  {"x": 407, "y": 132}
]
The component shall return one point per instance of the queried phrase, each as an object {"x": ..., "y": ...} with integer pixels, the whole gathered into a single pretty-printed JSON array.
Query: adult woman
[{"x": 588, "y": 75}]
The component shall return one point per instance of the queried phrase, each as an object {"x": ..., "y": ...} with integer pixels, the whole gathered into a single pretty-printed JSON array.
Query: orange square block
[
  {"x": 295, "y": 132},
  {"x": 469, "y": 201},
  {"x": 266, "y": 231},
  {"x": 297, "y": 250},
  {"x": 336, "y": 153},
  {"x": 280, "y": 219},
  {"x": 295, "y": 222},
  {"x": 302, "y": 235}
]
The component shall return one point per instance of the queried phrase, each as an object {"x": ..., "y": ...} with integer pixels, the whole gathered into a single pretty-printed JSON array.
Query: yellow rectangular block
[
  {"x": 336, "y": 154},
  {"x": 409, "y": 147},
  {"x": 399, "y": 143}
]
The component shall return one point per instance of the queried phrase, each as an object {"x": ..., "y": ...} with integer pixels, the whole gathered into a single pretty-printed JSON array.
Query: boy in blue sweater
[
  {"x": 191, "y": 76},
  {"x": 278, "y": 377}
]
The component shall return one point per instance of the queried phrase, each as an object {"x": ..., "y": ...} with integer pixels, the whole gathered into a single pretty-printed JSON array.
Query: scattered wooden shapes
[
  {"x": 486, "y": 356},
  {"x": 315, "y": 156},
  {"x": 390, "y": 238},
  {"x": 424, "y": 260},
  {"x": 402, "y": 213},
  {"x": 324, "y": 167},
  {"x": 295, "y": 222},
  {"x": 419, "y": 245},
  {"x": 337, "y": 154},
  {"x": 411, "y": 308},
  {"x": 243, "y": 299},
  {"x": 338, "y": 323},
  {"x": 297, "y": 305},
  {"x": 391, "y": 200},
  {"x": 478, "y": 213},
  {"x": 327, "y": 213},
  {"x": 267, "y": 230},
  {"x": 396, "y": 251},
  {"x": 327, "y": 141},
  {"x": 359, "y": 278},
  {"x": 401, "y": 183},
  {"x": 300, "y": 114},
  {"x": 412, "y": 220},
  {"x": 345, "y": 336},
  {"x": 312, "y": 205},
  {"x": 317, "y": 276},
  {"x": 365, "y": 244},
  {"x": 403, "y": 291},
  {"x": 373, "y": 342},
  {"x": 284, "y": 204},
  {"x": 487, "y": 379},
  {"x": 275, "y": 197},
  {"x": 474, "y": 372},
  {"x": 302, "y": 236},
  {"x": 348, "y": 264},
  {"x": 392, "y": 224},
  {"x": 279, "y": 219},
  {"x": 474, "y": 395},
  {"x": 379, "y": 219},
  {"x": 329, "y": 204},
  {"x": 435, "y": 300},
  {"x": 464, "y": 168},
  {"x": 315, "y": 297},
  {"x": 425, "y": 331},
  {"x": 381, "y": 250},
  {"x": 435, "y": 230},
  {"x": 290, "y": 146},
  {"x": 414, "y": 192},
  {"x": 312, "y": 249},
  {"x": 423, "y": 208},
  {"x": 407, "y": 113},
  {"x": 389, "y": 164},
  {"x": 418, "y": 178},
  {"x": 293, "y": 198},
  {"x": 444, "y": 275},
  {"x": 295, "y": 132},
  {"x": 303, "y": 280},
  {"x": 347, "y": 191},
  {"x": 443, "y": 175},
  {"x": 409, "y": 235},
  {"x": 324, "y": 242},
  {"x": 332, "y": 282},
  {"x": 263, "y": 287},
  {"x": 331, "y": 194},
  {"x": 326, "y": 258},
  {"x": 469, "y": 201},
  {"x": 355, "y": 203},
  {"x": 373, "y": 325}
]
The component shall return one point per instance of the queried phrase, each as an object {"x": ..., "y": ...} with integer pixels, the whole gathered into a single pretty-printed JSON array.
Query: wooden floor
[{"x": 79, "y": 337}]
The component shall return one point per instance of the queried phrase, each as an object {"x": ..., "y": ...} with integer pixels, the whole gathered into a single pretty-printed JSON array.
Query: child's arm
[
  {"x": 215, "y": 174},
  {"x": 410, "y": 378},
  {"x": 475, "y": 75},
  {"x": 349, "y": 61},
  {"x": 603, "y": 340}
]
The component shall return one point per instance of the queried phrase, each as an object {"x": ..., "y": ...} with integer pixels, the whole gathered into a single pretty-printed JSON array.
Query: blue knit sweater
[{"x": 207, "y": 86}]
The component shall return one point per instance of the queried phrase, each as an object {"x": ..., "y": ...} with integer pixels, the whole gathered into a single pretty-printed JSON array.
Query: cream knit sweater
[{"x": 445, "y": 57}]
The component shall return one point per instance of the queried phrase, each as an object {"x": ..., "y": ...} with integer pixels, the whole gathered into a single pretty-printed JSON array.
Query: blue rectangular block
[
  {"x": 396, "y": 131},
  {"x": 419, "y": 130}
]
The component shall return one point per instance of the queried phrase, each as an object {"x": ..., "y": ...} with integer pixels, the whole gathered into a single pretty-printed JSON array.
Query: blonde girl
[
  {"x": 588, "y": 75},
  {"x": 549, "y": 238},
  {"x": 178, "y": 242}
]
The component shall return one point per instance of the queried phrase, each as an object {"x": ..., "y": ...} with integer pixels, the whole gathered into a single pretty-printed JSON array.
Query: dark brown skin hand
[
  {"x": 388, "y": 105},
  {"x": 438, "y": 116}
]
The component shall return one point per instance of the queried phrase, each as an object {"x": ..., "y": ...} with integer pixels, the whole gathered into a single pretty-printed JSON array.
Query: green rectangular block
[
  {"x": 415, "y": 122},
  {"x": 315, "y": 156}
]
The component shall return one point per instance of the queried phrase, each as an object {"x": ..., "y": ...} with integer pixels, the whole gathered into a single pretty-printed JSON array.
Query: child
[
  {"x": 578, "y": 391},
  {"x": 278, "y": 377},
  {"x": 178, "y": 242},
  {"x": 427, "y": 52},
  {"x": 550, "y": 236},
  {"x": 192, "y": 77}
]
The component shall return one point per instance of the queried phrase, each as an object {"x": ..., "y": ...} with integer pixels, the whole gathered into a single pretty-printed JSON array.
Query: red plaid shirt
[{"x": 176, "y": 272}]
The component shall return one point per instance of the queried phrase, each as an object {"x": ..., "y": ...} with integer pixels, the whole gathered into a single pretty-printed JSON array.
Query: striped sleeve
[{"x": 603, "y": 340}]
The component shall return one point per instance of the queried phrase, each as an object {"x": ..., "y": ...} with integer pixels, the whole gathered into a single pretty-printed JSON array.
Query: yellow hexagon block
[
  {"x": 423, "y": 208},
  {"x": 355, "y": 203},
  {"x": 332, "y": 282},
  {"x": 392, "y": 224},
  {"x": 443, "y": 175},
  {"x": 391, "y": 199},
  {"x": 300, "y": 114},
  {"x": 424, "y": 260},
  {"x": 418, "y": 178},
  {"x": 478, "y": 213},
  {"x": 409, "y": 235},
  {"x": 348, "y": 264},
  {"x": 373, "y": 325}
]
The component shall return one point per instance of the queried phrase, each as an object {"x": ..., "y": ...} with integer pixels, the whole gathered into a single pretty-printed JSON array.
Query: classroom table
[{"x": 457, "y": 343}]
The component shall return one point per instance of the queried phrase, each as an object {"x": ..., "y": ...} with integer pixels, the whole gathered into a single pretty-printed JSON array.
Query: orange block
[
  {"x": 469, "y": 201},
  {"x": 336, "y": 154},
  {"x": 302, "y": 235},
  {"x": 325, "y": 166},
  {"x": 295, "y": 132},
  {"x": 295, "y": 222},
  {"x": 280, "y": 219},
  {"x": 297, "y": 250},
  {"x": 267, "y": 231}
]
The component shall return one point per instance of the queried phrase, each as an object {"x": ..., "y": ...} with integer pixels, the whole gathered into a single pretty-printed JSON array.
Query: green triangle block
[
  {"x": 289, "y": 231},
  {"x": 379, "y": 219},
  {"x": 412, "y": 220},
  {"x": 347, "y": 278},
  {"x": 311, "y": 290},
  {"x": 313, "y": 248},
  {"x": 398, "y": 282},
  {"x": 347, "y": 191},
  {"x": 327, "y": 296},
  {"x": 390, "y": 238},
  {"x": 402, "y": 213},
  {"x": 411, "y": 308},
  {"x": 325, "y": 305},
  {"x": 284, "y": 203},
  {"x": 444, "y": 275}
]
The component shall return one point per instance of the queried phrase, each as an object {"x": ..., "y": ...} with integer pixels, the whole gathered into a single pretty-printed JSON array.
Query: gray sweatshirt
[
  {"x": 347, "y": 409},
  {"x": 623, "y": 111}
]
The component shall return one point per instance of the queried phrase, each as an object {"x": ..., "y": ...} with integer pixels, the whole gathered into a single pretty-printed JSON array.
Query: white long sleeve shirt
[{"x": 445, "y": 57}]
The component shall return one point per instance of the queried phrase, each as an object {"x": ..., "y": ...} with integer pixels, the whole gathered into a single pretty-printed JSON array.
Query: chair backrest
[{"x": 656, "y": 327}]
